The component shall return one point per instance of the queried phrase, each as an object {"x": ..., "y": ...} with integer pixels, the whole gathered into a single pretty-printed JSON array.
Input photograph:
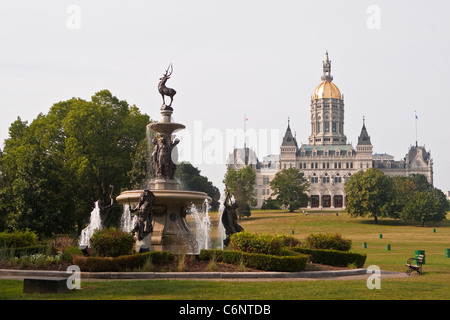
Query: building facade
[{"x": 328, "y": 161}]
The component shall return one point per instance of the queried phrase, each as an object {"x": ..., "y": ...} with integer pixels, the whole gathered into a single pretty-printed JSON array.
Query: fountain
[
  {"x": 95, "y": 223},
  {"x": 127, "y": 220},
  {"x": 163, "y": 215},
  {"x": 202, "y": 226}
]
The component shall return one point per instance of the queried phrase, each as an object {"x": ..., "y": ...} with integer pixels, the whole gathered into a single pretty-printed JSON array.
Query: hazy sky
[{"x": 262, "y": 59}]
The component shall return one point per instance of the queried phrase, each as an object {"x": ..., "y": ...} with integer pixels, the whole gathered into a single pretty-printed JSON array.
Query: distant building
[
  {"x": 327, "y": 161},
  {"x": 447, "y": 193}
]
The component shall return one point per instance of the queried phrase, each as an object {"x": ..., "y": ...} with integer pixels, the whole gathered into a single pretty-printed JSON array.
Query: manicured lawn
[
  {"x": 404, "y": 240},
  {"x": 430, "y": 287}
]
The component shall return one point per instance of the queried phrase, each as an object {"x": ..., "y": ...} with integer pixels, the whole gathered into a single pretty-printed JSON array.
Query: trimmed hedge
[
  {"x": 112, "y": 242},
  {"x": 266, "y": 262},
  {"x": 261, "y": 243},
  {"x": 121, "y": 263},
  {"x": 328, "y": 241},
  {"x": 333, "y": 257}
]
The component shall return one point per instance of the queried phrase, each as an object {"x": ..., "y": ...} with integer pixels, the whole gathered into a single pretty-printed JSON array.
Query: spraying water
[
  {"x": 127, "y": 220},
  {"x": 95, "y": 223},
  {"x": 202, "y": 225},
  {"x": 221, "y": 228}
]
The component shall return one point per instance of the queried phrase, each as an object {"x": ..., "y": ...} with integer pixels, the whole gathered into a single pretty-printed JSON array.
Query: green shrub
[
  {"x": 121, "y": 263},
  {"x": 265, "y": 244},
  {"x": 328, "y": 241},
  {"x": 111, "y": 242},
  {"x": 265, "y": 262},
  {"x": 17, "y": 239},
  {"x": 333, "y": 257},
  {"x": 69, "y": 252},
  {"x": 289, "y": 241},
  {"x": 8, "y": 253}
]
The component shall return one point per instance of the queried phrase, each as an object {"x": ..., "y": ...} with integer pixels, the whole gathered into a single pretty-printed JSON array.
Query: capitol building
[{"x": 328, "y": 160}]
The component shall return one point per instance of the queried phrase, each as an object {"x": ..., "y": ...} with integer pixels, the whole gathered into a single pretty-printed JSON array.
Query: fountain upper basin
[{"x": 165, "y": 196}]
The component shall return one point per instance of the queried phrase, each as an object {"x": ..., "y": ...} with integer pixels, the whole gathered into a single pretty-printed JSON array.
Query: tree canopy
[
  {"x": 54, "y": 169},
  {"x": 411, "y": 199},
  {"x": 290, "y": 188},
  {"x": 239, "y": 183},
  {"x": 418, "y": 201},
  {"x": 191, "y": 179},
  {"x": 371, "y": 193}
]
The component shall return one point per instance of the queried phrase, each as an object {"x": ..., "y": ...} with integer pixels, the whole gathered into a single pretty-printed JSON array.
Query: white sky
[{"x": 258, "y": 58}]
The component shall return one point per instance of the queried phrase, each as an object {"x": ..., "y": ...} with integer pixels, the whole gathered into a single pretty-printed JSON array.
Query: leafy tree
[
  {"x": 191, "y": 179},
  {"x": 417, "y": 200},
  {"x": 56, "y": 168},
  {"x": 240, "y": 184},
  {"x": 290, "y": 186},
  {"x": 371, "y": 193},
  {"x": 425, "y": 206}
]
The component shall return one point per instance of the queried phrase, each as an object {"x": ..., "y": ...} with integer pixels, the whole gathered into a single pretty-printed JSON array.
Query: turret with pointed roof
[
  {"x": 364, "y": 149},
  {"x": 288, "y": 148},
  {"x": 289, "y": 140},
  {"x": 364, "y": 138}
]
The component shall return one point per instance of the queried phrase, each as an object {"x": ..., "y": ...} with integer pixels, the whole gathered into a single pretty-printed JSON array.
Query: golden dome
[{"x": 326, "y": 90}]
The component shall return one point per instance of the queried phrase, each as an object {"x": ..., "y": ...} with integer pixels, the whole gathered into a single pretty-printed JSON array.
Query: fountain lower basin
[{"x": 170, "y": 229}]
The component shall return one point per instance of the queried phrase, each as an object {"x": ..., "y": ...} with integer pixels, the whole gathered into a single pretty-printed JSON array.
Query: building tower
[
  {"x": 327, "y": 111},
  {"x": 364, "y": 150},
  {"x": 289, "y": 147}
]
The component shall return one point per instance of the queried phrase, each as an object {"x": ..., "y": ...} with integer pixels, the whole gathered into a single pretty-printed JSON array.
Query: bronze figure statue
[
  {"x": 163, "y": 165},
  {"x": 143, "y": 226},
  {"x": 163, "y": 90},
  {"x": 229, "y": 219}
]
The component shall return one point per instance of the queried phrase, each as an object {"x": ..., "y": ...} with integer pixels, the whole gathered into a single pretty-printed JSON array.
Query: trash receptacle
[{"x": 417, "y": 253}]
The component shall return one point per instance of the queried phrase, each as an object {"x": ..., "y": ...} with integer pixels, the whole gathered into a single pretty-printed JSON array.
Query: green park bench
[{"x": 415, "y": 264}]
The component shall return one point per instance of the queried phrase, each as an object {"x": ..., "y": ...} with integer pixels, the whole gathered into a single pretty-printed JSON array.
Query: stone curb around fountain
[{"x": 13, "y": 273}]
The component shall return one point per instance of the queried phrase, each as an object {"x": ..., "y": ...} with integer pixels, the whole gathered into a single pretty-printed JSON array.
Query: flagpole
[
  {"x": 416, "y": 125},
  {"x": 245, "y": 136}
]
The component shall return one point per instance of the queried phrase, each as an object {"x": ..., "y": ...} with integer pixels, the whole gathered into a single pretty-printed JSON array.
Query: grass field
[{"x": 403, "y": 239}]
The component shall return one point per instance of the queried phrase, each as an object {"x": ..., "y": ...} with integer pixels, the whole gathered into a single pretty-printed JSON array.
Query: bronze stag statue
[{"x": 163, "y": 90}]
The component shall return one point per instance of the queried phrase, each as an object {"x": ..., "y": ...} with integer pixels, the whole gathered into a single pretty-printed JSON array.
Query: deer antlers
[{"x": 167, "y": 74}]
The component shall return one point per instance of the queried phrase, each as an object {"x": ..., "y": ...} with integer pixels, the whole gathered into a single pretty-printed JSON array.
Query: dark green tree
[
  {"x": 191, "y": 179},
  {"x": 57, "y": 167},
  {"x": 290, "y": 187},
  {"x": 371, "y": 193},
  {"x": 425, "y": 207},
  {"x": 418, "y": 201},
  {"x": 239, "y": 183}
]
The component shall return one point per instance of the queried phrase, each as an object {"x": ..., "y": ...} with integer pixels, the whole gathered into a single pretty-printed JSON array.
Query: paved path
[{"x": 353, "y": 274}]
